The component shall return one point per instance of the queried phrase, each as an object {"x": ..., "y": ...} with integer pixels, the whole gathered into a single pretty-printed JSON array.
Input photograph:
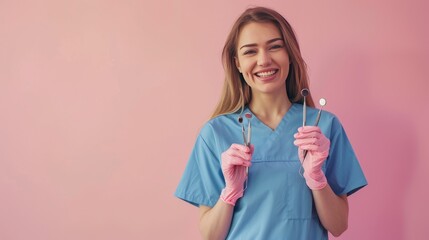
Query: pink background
[{"x": 101, "y": 102}]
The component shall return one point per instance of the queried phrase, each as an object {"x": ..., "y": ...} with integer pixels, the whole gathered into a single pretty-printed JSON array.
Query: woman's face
[{"x": 262, "y": 58}]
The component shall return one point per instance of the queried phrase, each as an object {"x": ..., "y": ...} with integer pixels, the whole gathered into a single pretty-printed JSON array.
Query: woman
[{"x": 292, "y": 182}]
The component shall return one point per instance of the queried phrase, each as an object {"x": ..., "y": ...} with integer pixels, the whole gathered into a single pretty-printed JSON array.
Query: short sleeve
[
  {"x": 202, "y": 180},
  {"x": 343, "y": 171}
]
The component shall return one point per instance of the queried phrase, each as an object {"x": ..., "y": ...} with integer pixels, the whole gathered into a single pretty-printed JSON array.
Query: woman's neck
[{"x": 270, "y": 109}]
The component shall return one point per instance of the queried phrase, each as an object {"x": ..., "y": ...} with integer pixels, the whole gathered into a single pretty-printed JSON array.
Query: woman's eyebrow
[{"x": 268, "y": 42}]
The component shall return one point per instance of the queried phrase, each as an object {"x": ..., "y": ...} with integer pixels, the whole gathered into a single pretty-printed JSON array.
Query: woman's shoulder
[{"x": 217, "y": 123}]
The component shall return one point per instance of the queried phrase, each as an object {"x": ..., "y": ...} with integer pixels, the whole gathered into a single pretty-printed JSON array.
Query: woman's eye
[
  {"x": 276, "y": 46},
  {"x": 248, "y": 52}
]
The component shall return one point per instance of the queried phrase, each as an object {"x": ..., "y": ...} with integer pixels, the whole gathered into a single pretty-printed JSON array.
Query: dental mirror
[
  {"x": 322, "y": 103},
  {"x": 304, "y": 92}
]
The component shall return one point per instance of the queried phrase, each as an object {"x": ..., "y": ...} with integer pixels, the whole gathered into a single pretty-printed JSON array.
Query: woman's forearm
[
  {"x": 333, "y": 210},
  {"x": 215, "y": 222}
]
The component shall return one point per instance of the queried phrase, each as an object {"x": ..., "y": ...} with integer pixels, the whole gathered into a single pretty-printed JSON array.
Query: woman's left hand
[{"x": 312, "y": 140}]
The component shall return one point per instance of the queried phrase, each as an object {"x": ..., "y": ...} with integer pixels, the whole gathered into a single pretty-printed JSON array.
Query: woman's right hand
[{"x": 234, "y": 163}]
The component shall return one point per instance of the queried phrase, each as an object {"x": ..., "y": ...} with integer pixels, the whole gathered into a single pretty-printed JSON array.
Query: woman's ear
[{"x": 237, "y": 64}]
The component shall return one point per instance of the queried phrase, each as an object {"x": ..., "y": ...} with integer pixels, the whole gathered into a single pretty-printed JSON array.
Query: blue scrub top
[{"x": 277, "y": 203}]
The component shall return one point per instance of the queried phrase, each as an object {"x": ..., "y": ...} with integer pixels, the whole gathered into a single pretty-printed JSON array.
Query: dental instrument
[
  {"x": 304, "y": 94},
  {"x": 246, "y": 136},
  {"x": 322, "y": 102}
]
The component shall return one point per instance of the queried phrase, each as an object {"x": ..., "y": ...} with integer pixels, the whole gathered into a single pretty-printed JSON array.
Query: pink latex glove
[
  {"x": 310, "y": 138},
  {"x": 234, "y": 163}
]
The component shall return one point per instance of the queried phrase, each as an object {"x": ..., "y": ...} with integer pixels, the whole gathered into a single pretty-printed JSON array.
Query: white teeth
[{"x": 266, "y": 74}]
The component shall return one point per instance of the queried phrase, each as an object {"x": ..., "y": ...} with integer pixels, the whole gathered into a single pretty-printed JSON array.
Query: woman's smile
[{"x": 266, "y": 75}]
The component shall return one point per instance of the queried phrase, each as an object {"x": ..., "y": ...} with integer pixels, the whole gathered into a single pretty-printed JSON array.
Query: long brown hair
[{"x": 236, "y": 93}]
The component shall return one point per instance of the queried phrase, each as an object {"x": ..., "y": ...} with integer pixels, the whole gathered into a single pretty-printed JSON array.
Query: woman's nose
[{"x": 264, "y": 59}]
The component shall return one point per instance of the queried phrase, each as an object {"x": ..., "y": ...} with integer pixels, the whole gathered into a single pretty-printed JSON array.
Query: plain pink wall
[{"x": 101, "y": 101}]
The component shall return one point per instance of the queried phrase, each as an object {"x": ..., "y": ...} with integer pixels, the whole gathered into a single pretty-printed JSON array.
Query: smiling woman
[
  {"x": 236, "y": 93},
  {"x": 257, "y": 191},
  {"x": 263, "y": 61}
]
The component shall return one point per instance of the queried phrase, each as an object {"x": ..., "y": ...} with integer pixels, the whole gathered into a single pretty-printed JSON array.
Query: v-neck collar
[{"x": 282, "y": 123}]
